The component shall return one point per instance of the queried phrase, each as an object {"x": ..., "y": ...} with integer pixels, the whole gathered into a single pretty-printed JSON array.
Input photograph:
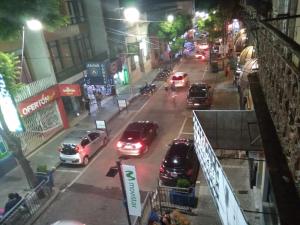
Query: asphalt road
[{"x": 88, "y": 195}]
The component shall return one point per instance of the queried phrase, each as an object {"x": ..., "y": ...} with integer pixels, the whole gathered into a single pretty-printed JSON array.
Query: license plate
[
  {"x": 196, "y": 104},
  {"x": 173, "y": 174},
  {"x": 128, "y": 147}
]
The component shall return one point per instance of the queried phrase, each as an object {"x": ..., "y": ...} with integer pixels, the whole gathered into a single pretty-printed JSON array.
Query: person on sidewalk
[
  {"x": 98, "y": 96},
  {"x": 13, "y": 199},
  {"x": 86, "y": 102}
]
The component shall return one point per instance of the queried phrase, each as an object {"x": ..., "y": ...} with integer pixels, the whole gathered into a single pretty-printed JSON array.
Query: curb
[{"x": 44, "y": 207}]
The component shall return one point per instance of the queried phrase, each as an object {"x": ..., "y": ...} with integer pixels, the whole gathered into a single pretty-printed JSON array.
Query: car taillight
[
  {"x": 161, "y": 169},
  {"x": 182, "y": 81},
  {"x": 138, "y": 145},
  {"x": 119, "y": 144}
]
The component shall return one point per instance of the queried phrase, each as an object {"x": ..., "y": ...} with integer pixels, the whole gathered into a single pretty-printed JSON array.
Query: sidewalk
[{"x": 15, "y": 180}]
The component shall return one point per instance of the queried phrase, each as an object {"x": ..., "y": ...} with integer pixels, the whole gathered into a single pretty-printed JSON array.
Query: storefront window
[
  {"x": 66, "y": 54},
  {"x": 54, "y": 52}
]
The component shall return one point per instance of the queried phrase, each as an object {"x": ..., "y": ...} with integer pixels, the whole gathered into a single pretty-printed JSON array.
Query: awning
[
  {"x": 250, "y": 66},
  {"x": 246, "y": 54},
  {"x": 240, "y": 42}
]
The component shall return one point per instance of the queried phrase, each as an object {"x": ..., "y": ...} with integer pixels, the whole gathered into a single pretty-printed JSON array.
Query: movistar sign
[{"x": 132, "y": 190}]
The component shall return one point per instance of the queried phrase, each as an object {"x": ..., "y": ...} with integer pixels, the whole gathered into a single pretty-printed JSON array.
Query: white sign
[
  {"x": 100, "y": 124},
  {"x": 122, "y": 103},
  {"x": 132, "y": 190},
  {"x": 228, "y": 206}
]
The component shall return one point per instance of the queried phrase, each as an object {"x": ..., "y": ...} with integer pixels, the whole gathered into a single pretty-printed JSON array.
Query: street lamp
[
  {"x": 170, "y": 18},
  {"x": 34, "y": 25},
  {"x": 131, "y": 14}
]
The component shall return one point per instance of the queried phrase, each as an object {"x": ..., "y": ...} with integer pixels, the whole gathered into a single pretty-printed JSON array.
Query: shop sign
[
  {"x": 96, "y": 73},
  {"x": 69, "y": 90},
  {"x": 132, "y": 190},
  {"x": 37, "y": 102}
]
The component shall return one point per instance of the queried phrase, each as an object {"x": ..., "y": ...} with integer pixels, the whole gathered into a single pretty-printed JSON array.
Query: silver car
[{"x": 80, "y": 145}]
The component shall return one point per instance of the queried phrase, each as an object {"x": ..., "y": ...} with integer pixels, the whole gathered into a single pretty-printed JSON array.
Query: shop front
[{"x": 42, "y": 115}]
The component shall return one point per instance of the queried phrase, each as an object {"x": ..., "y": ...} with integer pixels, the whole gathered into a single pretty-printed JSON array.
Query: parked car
[
  {"x": 80, "y": 145},
  {"x": 199, "y": 96},
  {"x": 180, "y": 79},
  {"x": 136, "y": 138},
  {"x": 180, "y": 162}
]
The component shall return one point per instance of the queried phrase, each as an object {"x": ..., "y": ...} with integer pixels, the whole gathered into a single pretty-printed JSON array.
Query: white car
[
  {"x": 80, "y": 145},
  {"x": 67, "y": 222},
  {"x": 180, "y": 79}
]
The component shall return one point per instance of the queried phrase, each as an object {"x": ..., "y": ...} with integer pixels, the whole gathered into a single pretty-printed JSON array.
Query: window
[
  {"x": 85, "y": 141},
  {"x": 55, "y": 55},
  {"x": 66, "y": 54},
  {"x": 75, "y": 11},
  {"x": 93, "y": 136}
]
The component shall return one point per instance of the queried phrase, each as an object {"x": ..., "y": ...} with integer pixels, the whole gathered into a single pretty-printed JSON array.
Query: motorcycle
[{"x": 148, "y": 89}]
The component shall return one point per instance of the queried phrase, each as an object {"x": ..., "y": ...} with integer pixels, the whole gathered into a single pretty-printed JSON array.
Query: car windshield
[
  {"x": 68, "y": 149},
  {"x": 130, "y": 136},
  {"x": 198, "y": 92},
  {"x": 177, "y": 78},
  {"x": 176, "y": 155}
]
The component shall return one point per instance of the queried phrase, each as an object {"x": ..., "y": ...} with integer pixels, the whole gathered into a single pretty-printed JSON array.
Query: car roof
[
  {"x": 137, "y": 125},
  {"x": 75, "y": 136},
  {"x": 179, "y": 73},
  {"x": 179, "y": 148},
  {"x": 200, "y": 85}
]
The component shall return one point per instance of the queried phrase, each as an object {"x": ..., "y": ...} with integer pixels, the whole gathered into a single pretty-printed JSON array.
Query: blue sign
[
  {"x": 8, "y": 108},
  {"x": 96, "y": 73}
]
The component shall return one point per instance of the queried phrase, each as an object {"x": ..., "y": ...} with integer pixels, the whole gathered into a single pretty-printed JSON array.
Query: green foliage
[
  {"x": 42, "y": 169},
  {"x": 168, "y": 31},
  {"x": 183, "y": 183},
  {"x": 14, "y": 13},
  {"x": 10, "y": 71},
  {"x": 177, "y": 45}
]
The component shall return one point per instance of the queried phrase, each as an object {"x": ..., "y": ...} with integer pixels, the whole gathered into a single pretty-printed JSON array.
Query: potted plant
[
  {"x": 183, "y": 194},
  {"x": 42, "y": 173}
]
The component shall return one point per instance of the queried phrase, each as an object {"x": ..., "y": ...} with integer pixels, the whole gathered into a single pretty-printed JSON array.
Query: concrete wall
[
  {"x": 230, "y": 129},
  {"x": 94, "y": 15},
  {"x": 37, "y": 55}
]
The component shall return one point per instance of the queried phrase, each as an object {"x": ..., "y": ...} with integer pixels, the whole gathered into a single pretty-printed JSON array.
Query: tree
[
  {"x": 171, "y": 31},
  {"x": 10, "y": 72},
  {"x": 14, "y": 13}
]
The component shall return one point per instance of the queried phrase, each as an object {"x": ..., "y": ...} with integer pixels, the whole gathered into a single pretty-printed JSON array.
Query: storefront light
[
  {"x": 136, "y": 58},
  {"x": 9, "y": 111}
]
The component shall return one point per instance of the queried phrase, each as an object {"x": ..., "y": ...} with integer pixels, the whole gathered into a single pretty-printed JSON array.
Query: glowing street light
[
  {"x": 131, "y": 14},
  {"x": 34, "y": 24},
  {"x": 170, "y": 18}
]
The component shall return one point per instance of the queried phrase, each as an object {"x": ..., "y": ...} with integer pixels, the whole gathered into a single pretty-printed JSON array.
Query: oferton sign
[
  {"x": 39, "y": 101},
  {"x": 132, "y": 190}
]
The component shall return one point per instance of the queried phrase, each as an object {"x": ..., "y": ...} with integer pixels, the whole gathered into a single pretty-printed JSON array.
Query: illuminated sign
[
  {"x": 8, "y": 109},
  {"x": 69, "y": 89},
  {"x": 37, "y": 102},
  {"x": 132, "y": 190}
]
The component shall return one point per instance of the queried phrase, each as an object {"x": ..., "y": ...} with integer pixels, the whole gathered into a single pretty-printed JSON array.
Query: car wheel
[{"x": 85, "y": 161}]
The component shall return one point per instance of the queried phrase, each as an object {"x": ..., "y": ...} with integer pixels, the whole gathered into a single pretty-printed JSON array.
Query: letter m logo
[{"x": 129, "y": 175}]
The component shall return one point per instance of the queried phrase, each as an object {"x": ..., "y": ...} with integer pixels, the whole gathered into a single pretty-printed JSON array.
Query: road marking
[
  {"x": 98, "y": 155},
  {"x": 65, "y": 171},
  {"x": 203, "y": 75},
  {"x": 182, "y": 126},
  {"x": 187, "y": 133}
]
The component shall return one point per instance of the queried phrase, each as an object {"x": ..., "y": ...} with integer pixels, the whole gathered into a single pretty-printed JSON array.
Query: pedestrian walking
[
  {"x": 86, "y": 102},
  {"x": 98, "y": 96}
]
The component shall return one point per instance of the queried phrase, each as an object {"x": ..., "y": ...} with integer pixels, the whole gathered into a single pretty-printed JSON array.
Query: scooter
[{"x": 148, "y": 89}]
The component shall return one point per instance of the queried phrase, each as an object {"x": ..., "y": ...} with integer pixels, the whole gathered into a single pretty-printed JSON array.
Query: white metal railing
[{"x": 33, "y": 88}]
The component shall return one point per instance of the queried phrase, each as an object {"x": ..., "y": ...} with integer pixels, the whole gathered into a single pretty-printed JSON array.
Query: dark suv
[
  {"x": 137, "y": 137},
  {"x": 180, "y": 162},
  {"x": 199, "y": 96}
]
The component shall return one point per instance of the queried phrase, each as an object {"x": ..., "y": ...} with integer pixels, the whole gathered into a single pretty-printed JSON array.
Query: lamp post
[
  {"x": 131, "y": 15},
  {"x": 34, "y": 25},
  {"x": 170, "y": 18}
]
